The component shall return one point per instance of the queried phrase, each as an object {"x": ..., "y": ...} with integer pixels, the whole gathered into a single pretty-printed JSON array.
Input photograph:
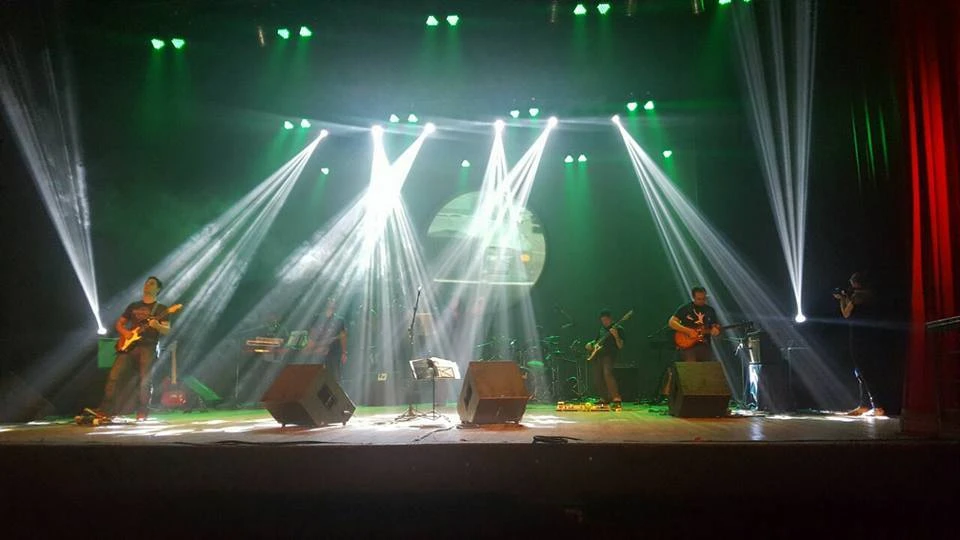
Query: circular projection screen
[{"x": 499, "y": 249}]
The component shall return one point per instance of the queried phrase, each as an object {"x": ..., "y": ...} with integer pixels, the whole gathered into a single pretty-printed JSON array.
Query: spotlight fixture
[
  {"x": 580, "y": 10},
  {"x": 102, "y": 331},
  {"x": 515, "y": 113},
  {"x": 325, "y": 171},
  {"x": 603, "y": 8},
  {"x": 429, "y": 127},
  {"x": 498, "y": 125},
  {"x": 568, "y": 160},
  {"x": 412, "y": 118},
  {"x": 305, "y": 32},
  {"x": 453, "y": 20},
  {"x": 394, "y": 119},
  {"x": 800, "y": 318},
  {"x": 632, "y": 106},
  {"x": 667, "y": 153},
  {"x": 178, "y": 43},
  {"x": 725, "y": 2},
  {"x": 287, "y": 124},
  {"x": 649, "y": 106},
  {"x": 582, "y": 158},
  {"x": 533, "y": 112},
  {"x": 465, "y": 164},
  {"x": 157, "y": 43},
  {"x": 552, "y": 122},
  {"x": 283, "y": 33},
  {"x": 304, "y": 123},
  {"x": 324, "y": 133},
  {"x": 432, "y": 21},
  {"x": 616, "y": 119},
  {"x": 377, "y": 131}
]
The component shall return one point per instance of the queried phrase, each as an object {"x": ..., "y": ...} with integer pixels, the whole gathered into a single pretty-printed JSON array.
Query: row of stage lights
[
  {"x": 432, "y": 20},
  {"x": 569, "y": 159}
]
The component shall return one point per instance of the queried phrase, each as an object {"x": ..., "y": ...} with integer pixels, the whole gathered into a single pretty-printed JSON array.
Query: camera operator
[{"x": 858, "y": 306}]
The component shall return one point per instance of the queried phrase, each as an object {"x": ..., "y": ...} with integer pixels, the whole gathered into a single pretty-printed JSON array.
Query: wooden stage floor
[
  {"x": 378, "y": 425},
  {"x": 596, "y": 474}
]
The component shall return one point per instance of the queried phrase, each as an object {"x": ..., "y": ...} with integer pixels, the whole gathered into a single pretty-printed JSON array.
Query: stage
[{"x": 570, "y": 472}]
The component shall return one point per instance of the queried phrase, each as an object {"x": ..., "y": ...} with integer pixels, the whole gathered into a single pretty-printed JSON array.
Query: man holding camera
[{"x": 858, "y": 305}]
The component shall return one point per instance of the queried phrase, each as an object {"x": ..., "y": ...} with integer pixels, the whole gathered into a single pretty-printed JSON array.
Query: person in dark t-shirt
[
  {"x": 858, "y": 307},
  {"x": 147, "y": 315},
  {"x": 610, "y": 343},
  {"x": 699, "y": 321},
  {"x": 328, "y": 340}
]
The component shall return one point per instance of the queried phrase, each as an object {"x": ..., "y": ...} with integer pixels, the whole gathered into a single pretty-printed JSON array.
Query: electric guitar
[
  {"x": 601, "y": 340},
  {"x": 124, "y": 344},
  {"x": 684, "y": 342},
  {"x": 174, "y": 396}
]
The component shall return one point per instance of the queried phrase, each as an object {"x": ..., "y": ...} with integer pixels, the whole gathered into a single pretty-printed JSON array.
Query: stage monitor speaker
[
  {"x": 21, "y": 403},
  {"x": 492, "y": 393},
  {"x": 305, "y": 395},
  {"x": 700, "y": 390}
]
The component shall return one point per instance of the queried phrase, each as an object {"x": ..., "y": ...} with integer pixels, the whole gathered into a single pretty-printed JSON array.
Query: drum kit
[{"x": 550, "y": 370}]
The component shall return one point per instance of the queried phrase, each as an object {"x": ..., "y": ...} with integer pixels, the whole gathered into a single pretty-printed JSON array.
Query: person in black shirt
[
  {"x": 328, "y": 340},
  {"x": 699, "y": 321},
  {"x": 858, "y": 306},
  {"x": 610, "y": 343},
  {"x": 143, "y": 352}
]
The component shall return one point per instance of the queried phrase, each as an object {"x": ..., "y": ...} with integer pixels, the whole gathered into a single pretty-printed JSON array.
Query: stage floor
[{"x": 379, "y": 426}]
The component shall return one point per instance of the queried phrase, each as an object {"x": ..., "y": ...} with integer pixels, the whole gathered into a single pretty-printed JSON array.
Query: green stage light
[
  {"x": 287, "y": 124},
  {"x": 667, "y": 153},
  {"x": 157, "y": 43},
  {"x": 305, "y": 32},
  {"x": 580, "y": 10},
  {"x": 432, "y": 21},
  {"x": 515, "y": 113},
  {"x": 283, "y": 32},
  {"x": 304, "y": 123},
  {"x": 325, "y": 171},
  {"x": 465, "y": 164},
  {"x": 533, "y": 112},
  {"x": 649, "y": 106},
  {"x": 582, "y": 158},
  {"x": 568, "y": 159},
  {"x": 632, "y": 106},
  {"x": 603, "y": 8},
  {"x": 394, "y": 119},
  {"x": 413, "y": 118},
  {"x": 178, "y": 43},
  {"x": 453, "y": 20},
  {"x": 725, "y": 2}
]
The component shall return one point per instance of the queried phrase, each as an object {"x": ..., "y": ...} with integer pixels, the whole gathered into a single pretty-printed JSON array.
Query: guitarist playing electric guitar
[
  {"x": 603, "y": 355},
  {"x": 145, "y": 318},
  {"x": 695, "y": 323}
]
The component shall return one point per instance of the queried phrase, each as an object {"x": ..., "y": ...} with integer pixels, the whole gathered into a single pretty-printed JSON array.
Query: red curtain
[{"x": 930, "y": 47}]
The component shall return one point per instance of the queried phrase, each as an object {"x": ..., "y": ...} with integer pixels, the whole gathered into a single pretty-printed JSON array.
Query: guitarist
[
  {"x": 610, "y": 343},
  {"x": 143, "y": 353},
  {"x": 699, "y": 321}
]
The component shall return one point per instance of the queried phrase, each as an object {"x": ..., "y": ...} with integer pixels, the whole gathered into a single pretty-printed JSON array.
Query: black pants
[
  {"x": 700, "y": 352},
  {"x": 141, "y": 358},
  {"x": 333, "y": 366},
  {"x": 604, "y": 383}
]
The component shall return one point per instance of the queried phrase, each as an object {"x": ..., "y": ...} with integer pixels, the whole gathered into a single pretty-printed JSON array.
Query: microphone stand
[{"x": 411, "y": 410}]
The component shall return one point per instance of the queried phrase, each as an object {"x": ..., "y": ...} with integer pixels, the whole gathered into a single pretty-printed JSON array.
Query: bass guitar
[
  {"x": 601, "y": 340},
  {"x": 125, "y": 344},
  {"x": 174, "y": 396},
  {"x": 683, "y": 341}
]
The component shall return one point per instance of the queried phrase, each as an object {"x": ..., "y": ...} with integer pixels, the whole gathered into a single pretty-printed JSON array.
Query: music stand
[{"x": 433, "y": 368}]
